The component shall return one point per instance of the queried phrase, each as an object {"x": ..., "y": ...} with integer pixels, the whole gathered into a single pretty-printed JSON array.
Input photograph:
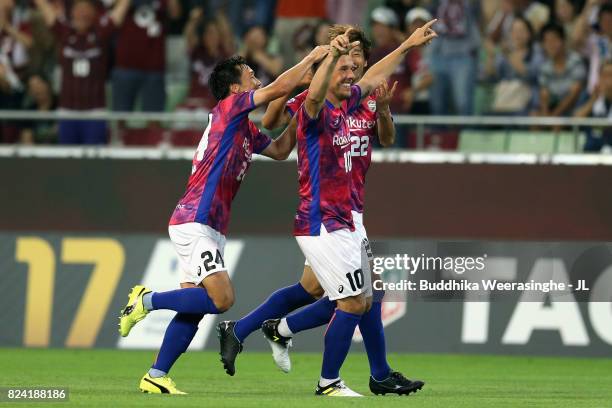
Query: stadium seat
[
  {"x": 185, "y": 137},
  {"x": 482, "y": 141},
  {"x": 176, "y": 92},
  {"x": 177, "y": 60},
  {"x": 434, "y": 140},
  {"x": 542, "y": 142},
  {"x": 142, "y": 136}
]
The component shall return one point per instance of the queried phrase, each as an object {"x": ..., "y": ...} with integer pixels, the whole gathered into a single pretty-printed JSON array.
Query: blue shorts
[
  {"x": 77, "y": 132},
  {"x": 128, "y": 84}
]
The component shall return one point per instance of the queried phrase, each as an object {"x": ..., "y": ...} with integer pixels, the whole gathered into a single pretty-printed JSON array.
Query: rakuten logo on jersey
[
  {"x": 341, "y": 140},
  {"x": 360, "y": 123}
]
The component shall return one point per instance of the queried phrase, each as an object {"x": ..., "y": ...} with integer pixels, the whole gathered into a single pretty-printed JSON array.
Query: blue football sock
[
  {"x": 277, "y": 305},
  {"x": 313, "y": 315},
  {"x": 186, "y": 300},
  {"x": 374, "y": 341},
  {"x": 179, "y": 334},
  {"x": 338, "y": 342}
]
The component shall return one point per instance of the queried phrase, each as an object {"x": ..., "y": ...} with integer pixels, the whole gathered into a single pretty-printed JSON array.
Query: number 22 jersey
[{"x": 220, "y": 163}]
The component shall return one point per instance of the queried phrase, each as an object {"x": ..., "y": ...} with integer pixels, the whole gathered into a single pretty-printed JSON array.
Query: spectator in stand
[
  {"x": 454, "y": 57},
  {"x": 140, "y": 55},
  {"x": 321, "y": 33},
  {"x": 347, "y": 12},
  {"x": 243, "y": 14},
  {"x": 415, "y": 99},
  {"x": 292, "y": 15},
  {"x": 207, "y": 45},
  {"x": 500, "y": 25},
  {"x": 265, "y": 65},
  {"x": 599, "y": 105},
  {"x": 39, "y": 98},
  {"x": 15, "y": 41},
  {"x": 561, "y": 76},
  {"x": 566, "y": 15},
  {"x": 514, "y": 67},
  {"x": 42, "y": 54},
  {"x": 303, "y": 40},
  {"x": 83, "y": 56},
  {"x": 385, "y": 36},
  {"x": 593, "y": 37}
]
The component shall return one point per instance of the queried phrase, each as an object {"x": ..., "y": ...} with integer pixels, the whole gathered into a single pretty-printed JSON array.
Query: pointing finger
[{"x": 429, "y": 23}]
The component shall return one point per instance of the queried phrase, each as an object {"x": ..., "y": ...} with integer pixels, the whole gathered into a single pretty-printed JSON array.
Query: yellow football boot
[
  {"x": 134, "y": 311},
  {"x": 159, "y": 385}
]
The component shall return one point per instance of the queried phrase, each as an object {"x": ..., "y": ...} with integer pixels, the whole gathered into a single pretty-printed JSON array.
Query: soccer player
[
  {"x": 372, "y": 118},
  {"x": 199, "y": 222},
  {"x": 324, "y": 224}
]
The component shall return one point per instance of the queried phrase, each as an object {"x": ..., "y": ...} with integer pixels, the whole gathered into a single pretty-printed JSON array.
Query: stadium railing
[{"x": 506, "y": 139}]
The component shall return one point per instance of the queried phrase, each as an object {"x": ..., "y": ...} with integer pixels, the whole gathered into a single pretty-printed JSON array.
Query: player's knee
[
  {"x": 224, "y": 301},
  {"x": 310, "y": 283},
  {"x": 315, "y": 291},
  {"x": 368, "y": 304},
  {"x": 353, "y": 304}
]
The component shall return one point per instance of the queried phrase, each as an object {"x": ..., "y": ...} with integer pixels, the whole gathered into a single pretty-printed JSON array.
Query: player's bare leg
[{"x": 310, "y": 283}]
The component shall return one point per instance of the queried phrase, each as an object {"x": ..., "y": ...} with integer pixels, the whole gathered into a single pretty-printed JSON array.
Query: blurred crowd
[{"x": 492, "y": 57}]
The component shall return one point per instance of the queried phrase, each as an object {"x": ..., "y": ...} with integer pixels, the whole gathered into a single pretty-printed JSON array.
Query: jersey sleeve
[
  {"x": 355, "y": 100},
  {"x": 260, "y": 140},
  {"x": 293, "y": 104},
  {"x": 239, "y": 104}
]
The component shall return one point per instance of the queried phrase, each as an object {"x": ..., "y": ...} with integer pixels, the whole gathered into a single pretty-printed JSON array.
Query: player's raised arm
[
  {"x": 320, "y": 81},
  {"x": 288, "y": 80},
  {"x": 384, "y": 121},
  {"x": 279, "y": 113},
  {"x": 386, "y": 66},
  {"x": 280, "y": 147},
  {"x": 276, "y": 114}
]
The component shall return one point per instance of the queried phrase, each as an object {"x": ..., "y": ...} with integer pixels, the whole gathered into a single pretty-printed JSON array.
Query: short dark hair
[
  {"x": 225, "y": 74},
  {"x": 553, "y": 28},
  {"x": 356, "y": 34}
]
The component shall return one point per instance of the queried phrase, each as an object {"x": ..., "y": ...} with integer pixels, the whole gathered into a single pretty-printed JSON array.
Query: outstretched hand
[
  {"x": 422, "y": 35},
  {"x": 341, "y": 44},
  {"x": 319, "y": 52},
  {"x": 384, "y": 95}
]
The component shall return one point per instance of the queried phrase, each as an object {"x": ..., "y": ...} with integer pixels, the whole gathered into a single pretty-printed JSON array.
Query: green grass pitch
[{"x": 109, "y": 378}]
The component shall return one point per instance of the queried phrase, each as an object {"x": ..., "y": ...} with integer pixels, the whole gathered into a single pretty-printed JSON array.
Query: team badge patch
[{"x": 372, "y": 105}]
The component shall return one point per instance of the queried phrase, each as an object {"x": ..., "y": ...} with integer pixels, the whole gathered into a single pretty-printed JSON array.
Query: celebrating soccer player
[
  {"x": 324, "y": 225},
  {"x": 372, "y": 118},
  {"x": 199, "y": 222}
]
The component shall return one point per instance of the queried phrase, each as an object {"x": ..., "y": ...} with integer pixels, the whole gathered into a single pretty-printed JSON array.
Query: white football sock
[
  {"x": 283, "y": 329},
  {"x": 324, "y": 382}
]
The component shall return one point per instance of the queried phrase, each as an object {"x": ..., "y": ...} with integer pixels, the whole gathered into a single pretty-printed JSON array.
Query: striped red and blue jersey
[
  {"x": 220, "y": 163},
  {"x": 324, "y": 168},
  {"x": 362, "y": 127}
]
